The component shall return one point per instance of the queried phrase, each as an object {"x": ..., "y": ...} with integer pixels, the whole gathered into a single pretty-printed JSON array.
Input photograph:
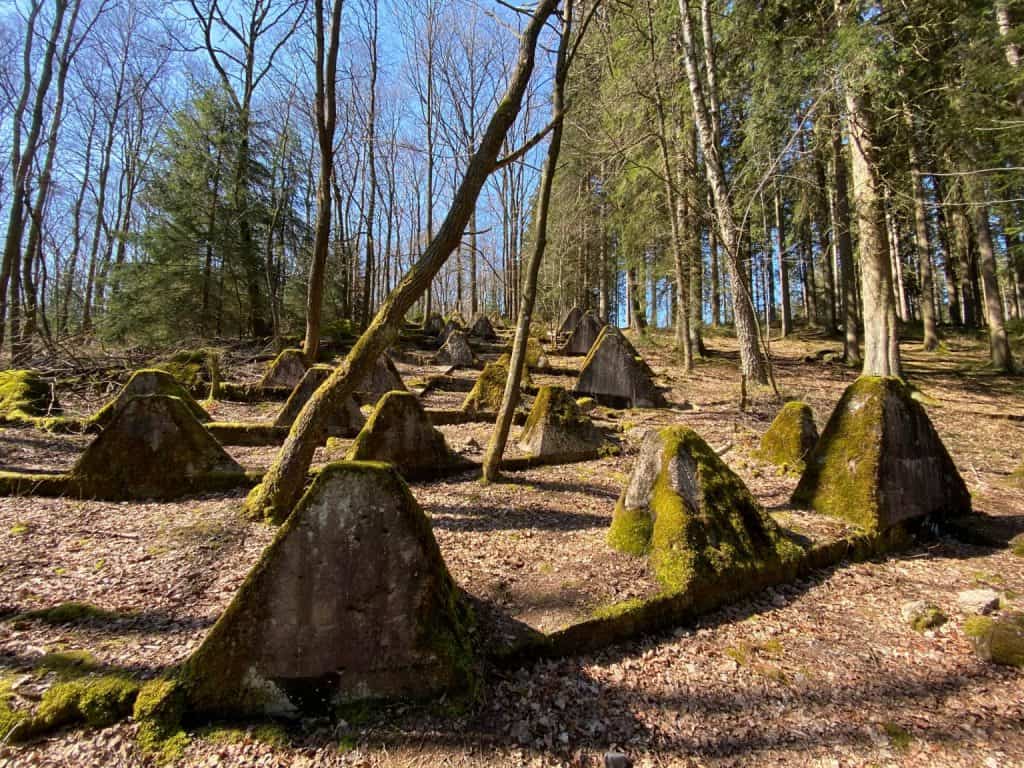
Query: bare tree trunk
[
  {"x": 780, "y": 243},
  {"x": 325, "y": 114},
  {"x": 283, "y": 483},
  {"x": 999, "y": 345},
  {"x": 751, "y": 362},
  {"x": 881, "y": 344},
  {"x": 844, "y": 249},
  {"x": 510, "y": 398},
  {"x": 922, "y": 241}
]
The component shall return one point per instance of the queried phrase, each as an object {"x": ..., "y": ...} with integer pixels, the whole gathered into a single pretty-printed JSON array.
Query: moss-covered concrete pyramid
[
  {"x": 695, "y": 518},
  {"x": 535, "y": 356},
  {"x": 571, "y": 320},
  {"x": 791, "y": 436},
  {"x": 583, "y": 335},
  {"x": 880, "y": 461},
  {"x": 147, "y": 381},
  {"x": 383, "y": 378},
  {"x": 614, "y": 372},
  {"x": 153, "y": 447},
  {"x": 345, "y": 422},
  {"x": 456, "y": 351},
  {"x": 286, "y": 370},
  {"x": 399, "y": 431},
  {"x": 485, "y": 397},
  {"x": 434, "y": 324},
  {"x": 351, "y": 601},
  {"x": 25, "y": 396},
  {"x": 482, "y": 329},
  {"x": 558, "y": 428}
]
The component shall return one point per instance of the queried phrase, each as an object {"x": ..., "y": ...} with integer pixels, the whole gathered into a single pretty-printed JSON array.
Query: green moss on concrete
[
  {"x": 617, "y": 610},
  {"x": 631, "y": 530},
  {"x": 11, "y": 720},
  {"x": 1017, "y": 545},
  {"x": 95, "y": 700},
  {"x": 159, "y": 709},
  {"x": 999, "y": 640},
  {"x": 554, "y": 405},
  {"x": 723, "y": 536},
  {"x": 487, "y": 392},
  {"x": 195, "y": 369},
  {"x": 25, "y": 397},
  {"x": 145, "y": 382},
  {"x": 929, "y": 618},
  {"x": 791, "y": 437}
]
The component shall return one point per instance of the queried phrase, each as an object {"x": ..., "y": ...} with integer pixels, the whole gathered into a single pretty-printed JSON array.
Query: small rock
[
  {"x": 921, "y": 615},
  {"x": 617, "y": 760},
  {"x": 779, "y": 601},
  {"x": 978, "y": 601},
  {"x": 999, "y": 640}
]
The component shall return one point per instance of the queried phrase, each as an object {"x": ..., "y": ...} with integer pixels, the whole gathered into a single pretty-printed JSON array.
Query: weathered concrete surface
[
  {"x": 557, "y": 427},
  {"x": 456, "y": 351},
  {"x": 694, "y": 516},
  {"x": 571, "y": 320},
  {"x": 434, "y": 324},
  {"x": 614, "y": 371},
  {"x": 791, "y": 436},
  {"x": 399, "y": 431},
  {"x": 147, "y": 382},
  {"x": 286, "y": 370},
  {"x": 880, "y": 461},
  {"x": 382, "y": 379},
  {"x": 483, "y": 329},
  {"x": 583, "y": 335},
  {"x": 351, "y": 601},
  {"x": 153, "y": 447},
  {"x": 487, "y": 392},
  {"x": 345, "y": 422}
]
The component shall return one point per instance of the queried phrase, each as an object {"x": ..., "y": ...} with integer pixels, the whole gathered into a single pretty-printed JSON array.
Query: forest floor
[{"x": 823, "y": 672}]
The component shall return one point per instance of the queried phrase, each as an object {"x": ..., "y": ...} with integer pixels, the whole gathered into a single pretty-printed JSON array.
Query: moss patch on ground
[{"x": 25, "y": 397}]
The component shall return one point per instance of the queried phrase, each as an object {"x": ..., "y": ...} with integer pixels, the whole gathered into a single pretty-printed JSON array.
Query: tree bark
[
  {"x": 999, "y": 345},
  {"x": 780, "y": 243},
  {"x": 922, "y": 241},
  {"x": 844, "y": 249},
  {"x": 275, "y": 497}
]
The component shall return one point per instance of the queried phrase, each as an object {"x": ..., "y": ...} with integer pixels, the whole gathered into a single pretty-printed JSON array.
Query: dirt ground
[{"x": 819, "y": 673}]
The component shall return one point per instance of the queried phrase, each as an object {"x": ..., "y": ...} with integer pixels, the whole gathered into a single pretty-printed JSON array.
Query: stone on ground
[
  {"x": 695, "y": 518},
  {"x": 999, "y": 640},
  {"x": 147, "y": 382},
  {"x": 399, "y": 431},
  {"x": 351, "y": 601},
  {"x": 482, "y": 329},
  {"x": 979, "y": 601},
  {"x": 287, "y": 369},
  {"x": 571, "y": 320},
  {"x": 456, "y": 351},
  {"x": 583, "y": 335},
  {"x": 487, "y": 392},
  {"x": 24, "y": 396},
  {"x": 153, "y": 447},
  {"x": 790, "y": 437},
  {"x": 344, "y": 422},
  {"x": 383, "y": 378},
  {"x": 920, "y": 615},
  {"x": 880, "y": 461},
  {"x": 558, "y": 428},
  {"x": 613, "y": 371}
]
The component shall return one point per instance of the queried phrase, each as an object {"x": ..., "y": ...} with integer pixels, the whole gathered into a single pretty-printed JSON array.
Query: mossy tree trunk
[
  {"x": 510, "y": 398},
  {"x": 283, "y": 483}
]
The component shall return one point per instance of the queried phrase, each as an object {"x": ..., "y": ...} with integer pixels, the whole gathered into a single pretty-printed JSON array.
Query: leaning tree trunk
[
  {"x": 510, "y": 398},
  {"x": 284, "y": 481}
]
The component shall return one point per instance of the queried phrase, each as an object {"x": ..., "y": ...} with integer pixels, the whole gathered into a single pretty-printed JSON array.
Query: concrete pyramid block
[
  {"x": 571, "y": 320},
  {"x": 152, "y": 447},
  {"x": 286, "y": 370},
  {"x": 482, "y": 329},
  {"x": 791, "y": 436},
  {"x": 485, "y": 397},
  {"x": 614, "y": 372},
  {"x": 557, "y": 427},
  {"x": 583, "y": 335},
  {"x": 383, "y": 378},
  {"x": 25, "y": 395},
  {"x": 880, "y": 461},
  {"x": 399, "y": 431},
  {"x": 456, "y": 351},
  {"x": 147, "y": 382},
  {"x": 345, "y": 422},
  {"x": 434, "y": 324},
  {"x": 694, "y": 517},
  {"x": 351, "y": 601},
  {"x": 535, "y": 356}
]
